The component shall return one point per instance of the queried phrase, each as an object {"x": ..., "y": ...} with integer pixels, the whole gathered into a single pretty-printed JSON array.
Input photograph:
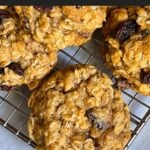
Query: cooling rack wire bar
[{"x": 13, "y": 104}]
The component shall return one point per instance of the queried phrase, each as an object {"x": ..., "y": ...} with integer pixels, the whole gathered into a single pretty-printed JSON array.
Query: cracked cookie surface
[
  {"x": 128, "y": 52},
  {"x": 77, "y": 108},
  {"x": 23, "y": 60},
  {"x": 63, "y": 26},
  {"x": 32, "y": 35}
]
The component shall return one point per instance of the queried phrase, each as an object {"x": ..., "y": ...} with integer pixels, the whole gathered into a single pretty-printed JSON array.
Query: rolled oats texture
[
  {"x": 77, "y": 108},
  {"x": 130, "y": 59},
  {"x": 63, "y": 26}
]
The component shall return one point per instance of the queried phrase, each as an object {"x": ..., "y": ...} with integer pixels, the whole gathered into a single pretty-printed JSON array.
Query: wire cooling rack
[{"x": 13, "y": 104}]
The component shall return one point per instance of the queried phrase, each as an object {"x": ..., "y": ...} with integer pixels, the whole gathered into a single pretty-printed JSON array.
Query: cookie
[
  {"x": 61, "y": 26},
  {"x": 31, "y": 37},
  {"x": 77, "y": 108},
  {"x": 8, "y": 20},
  {"x": 128, "y": 53},
  {"x": 23, "y": 60}
]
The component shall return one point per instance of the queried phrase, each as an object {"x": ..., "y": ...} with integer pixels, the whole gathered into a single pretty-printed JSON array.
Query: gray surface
[
  {"x": 8, "y": 141},
  {"x": 142, "y": 142}
]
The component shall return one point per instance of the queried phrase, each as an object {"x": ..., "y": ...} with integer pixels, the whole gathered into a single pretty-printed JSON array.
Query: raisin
[
  {"x": 145, "y": 77},
  {"x": 122, "y": 83},
  {"x": 1, "y": 70},
  {"x": 78, "y": 7},
  {"x": 98, "y": 123},
  {"x": 16, "y": 67},
  {"x": 43, "y": 8},
  {"x": 4, "y": 14},
  {"x": 125, "y": 30},
  {"x": 6, "y": 88}
]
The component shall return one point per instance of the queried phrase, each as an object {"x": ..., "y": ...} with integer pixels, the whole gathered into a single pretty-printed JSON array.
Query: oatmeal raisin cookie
[
  {"x": 77, "y": 109},
  {"x": 23, "y": 60},
  {"x": 32, "y": 35},
  {"x": 127, "y": 32},
  {"x": 61, "y": 26}
]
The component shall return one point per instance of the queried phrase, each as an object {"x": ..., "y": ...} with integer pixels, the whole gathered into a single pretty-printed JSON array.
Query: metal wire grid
[{"x": 13, "y": 104}]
